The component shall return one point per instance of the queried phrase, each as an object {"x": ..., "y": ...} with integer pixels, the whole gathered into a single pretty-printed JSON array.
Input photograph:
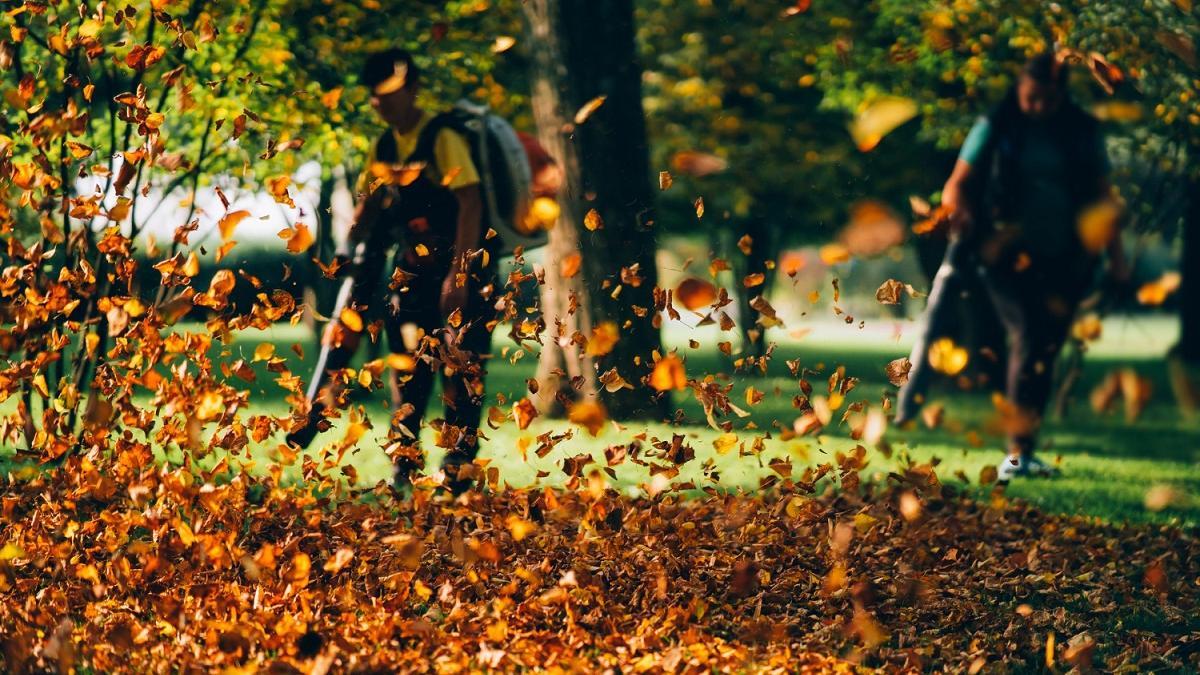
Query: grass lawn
[{"x": 1108, "y": 466}]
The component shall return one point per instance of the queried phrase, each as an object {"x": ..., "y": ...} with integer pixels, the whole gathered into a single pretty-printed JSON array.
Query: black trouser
[
  {"x": 1037, "y": 307},
  {"x": 458, "y": 351}
]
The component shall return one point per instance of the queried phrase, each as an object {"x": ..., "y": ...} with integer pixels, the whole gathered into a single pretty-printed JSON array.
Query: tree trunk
[
  {"x": 1185, "y": 356},
  {"x": 762, "y": 249},
  {"x": 564, "y": 301},
  {"x": 607, "y": 169}
]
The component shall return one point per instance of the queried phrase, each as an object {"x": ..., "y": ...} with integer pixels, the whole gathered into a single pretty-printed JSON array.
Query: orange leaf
[
  {"x": 524, "y": 413},
  {"x": 569, "y": 266},
  {"x": 668, "y": 374},
  {"x": 589, "y": 415},
  {"x": 604, "y": 337},
  {"x": 592, "y": 221},
  {"x": 230, "y": 222},
  {"x": 695, "y": 294},
  {"x": 299, "y": 238}
]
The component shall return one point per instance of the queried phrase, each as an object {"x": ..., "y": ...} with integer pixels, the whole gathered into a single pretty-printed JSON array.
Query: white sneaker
[{"x": 1019, "y": 465}]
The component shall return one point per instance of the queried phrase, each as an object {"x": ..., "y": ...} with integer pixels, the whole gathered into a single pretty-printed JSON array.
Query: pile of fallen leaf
[{"x": 111, "y": 565}]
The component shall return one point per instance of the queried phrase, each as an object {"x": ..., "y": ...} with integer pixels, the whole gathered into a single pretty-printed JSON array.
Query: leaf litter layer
[{"x": 109, "y": 567}]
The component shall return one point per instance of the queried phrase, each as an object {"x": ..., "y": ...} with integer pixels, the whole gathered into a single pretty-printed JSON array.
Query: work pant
[
  {"x": 457, "y": 351},
  {"x": 1037, "y": 307}
]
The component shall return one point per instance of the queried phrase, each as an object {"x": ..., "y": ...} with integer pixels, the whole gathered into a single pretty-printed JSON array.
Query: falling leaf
[
  {"x": 664, "y": 180},
  {"x": 1156, "y": 292},
  {"x": 277, "y": 186},
  {"x": 351, "y": 319},
  {"x": 1087, "y": 328},
  {"x": 588, "y": 108},
  {"x": 695, "y": 294},
  {"x": 592, "y": 220},
  {"x": 699, "y": 205},
  {"x": 725, "y": 442},
  {"x": 298, "y": 238},
  {"x": 229, "y": 223},
  {"x": 799, "y": 7},
  {"x": 504, "y": 43},
  {"x": 947, "y": 357},
  {"x": 604, "y": 337},
  {"x": 897, "y": 371},
  {"x": 1097, "y": 225},
  {"x": 697, "y": 164},
  {"x": 569, "y": 265},
  {"x": 833, "y": 254},
  {"x": 589, "y": 415},
  {"x": 873, "y": 229},
  {"x": 668, "y": 374},
  {"x": 524, "y": 413},
  {"x": 879, "y": 118}
]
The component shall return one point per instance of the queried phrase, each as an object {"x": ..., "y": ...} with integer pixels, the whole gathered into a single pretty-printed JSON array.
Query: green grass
[{"x": 1107, "y": 465}]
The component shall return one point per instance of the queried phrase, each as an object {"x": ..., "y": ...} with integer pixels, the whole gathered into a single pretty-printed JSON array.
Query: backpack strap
[
  {"x": 427, "y": 139},
  {"x": 385, "y": 147}
]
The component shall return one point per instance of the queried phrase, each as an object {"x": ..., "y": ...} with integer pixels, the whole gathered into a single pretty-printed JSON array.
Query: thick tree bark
[
  {"x": 1184, "y": 359},
  {"x": 607, "y": 169},
  {"x": 1189, "y": 265},
  {"x": 564, "y": 301},
  {"x": 762, "y": 248}
]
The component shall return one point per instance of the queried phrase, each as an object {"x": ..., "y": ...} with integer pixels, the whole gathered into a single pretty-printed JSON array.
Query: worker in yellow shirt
[{"x": 420, "y": 195}]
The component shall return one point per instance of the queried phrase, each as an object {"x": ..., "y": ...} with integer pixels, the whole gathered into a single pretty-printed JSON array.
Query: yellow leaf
[
  {"x": 947, "y": 357},
  {"x": 879, "y": 118},
  {"x": 191, "y": 266},
  {"x": 330, "y": 98},
  {"x": 264, "y": 351},
  {"x": 278, "y": 187},
  {"x": 520, "y": 528},
  {"x": 401, "y": 362},
  {"x": 11, "y": 552},
  {"x": 39, "y": 383},
  {"x": 588, "y": 108},
  {"x": 725, "y": 442},
  {"x": 120, "y": 210},
  {"x": 568, "y": 267},
  {"x": 185, "y": 532},
  {"x": 832, "y": 254},
  {"x": 864, "y": 522},
  {"x": 351, "y": 320},
  {"x": 340, "y": 559}
]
